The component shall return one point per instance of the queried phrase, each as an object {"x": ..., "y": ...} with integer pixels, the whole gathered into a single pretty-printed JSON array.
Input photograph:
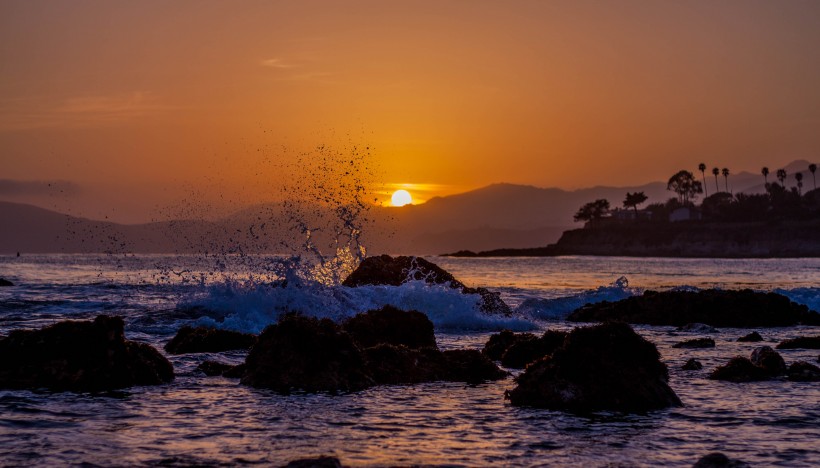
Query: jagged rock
[
  {"x": 80, "y": 356},
  {"x": 692, "y": 364},
  {"x": 769, "y": 360},
  {"x": 393, "y": 326},
  {"x": 696, "y": 343},
  {"x": 523, "y": 352},
  {"x": 740, "y": 369},
  {"x": 5, "y": 282},
  {"x": 804, "y": 342},
  {"x": 802, "y": 371},
  {"x": 604, "y": 367},
  {"x": 216, "y": 368},
  {"x": 698, "y": 328},
  {"x": 303, "y": 353},
  {"x": 208, "y": 340},
  {"x": 394, "y": 271},
  {"x": 718, "y": 308},
  {"x": 391, "y": 364},
  {"x": 752, "y": 337},
  {"x": 719, "y": 460},
  {"x": 318, "y": 462},
  {"x": 498, "y": 343}
]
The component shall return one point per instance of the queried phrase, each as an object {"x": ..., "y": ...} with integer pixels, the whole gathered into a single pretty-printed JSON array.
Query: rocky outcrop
[
  {"x": 753, "y": 337},
  {"x": 4, "y": 282},
  {"x": 696, "y": 343},
  {"x": 740, "y": 309},
  {"x": 692, "y": 364},
  {"x": 470, "y": 366},
  {"x": 604, "y": 367},
  {"x": 769, "y": 360},
  {"x": 739, "y": 369},
  {"x": 498, "y": 343},
  {"x": 523, "y": 352},
  {"x": 216, "y": 368},
  {"x": 698, "y": 328},
  {"x": 802, "y": 371},
  {"x": 318, "y": 462},
  {"x": 80, "y": 356},
  {"x": 208, "y": 340},
  {"x": 392, "y": 326},
  {"x": 719, "y": 460},
  {"x": 391, "y": 364},
  {"x": 804, "y": 342},
  {"x": 395, "y": 271}
]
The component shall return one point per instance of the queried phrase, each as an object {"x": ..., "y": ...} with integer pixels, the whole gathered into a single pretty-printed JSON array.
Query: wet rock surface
[
  {"x": 769, "y": 360},
  {"x": 318, "y": 462},
  {"x": 719, "y": 460},
  {"x": 692, "y": 364},
  {"x": 802, "y": 371},
  {"x": 208, "y": 340},
  {"x": 4, "y": 282},
  {"x": 498, "y": 343},
  {"x": 696, "y": 343},
  {"x": 604, "y": 367},
  {"x": 804, "y": 342},
  {"x": 764, "y": 364},
  {"x": 80, "y": 356},
  {"x": 753, "y": 337},
  {"x": 216, "y": 368},
  {"x": 392, "y": 326},
  {"x": 523, "y": 352}
]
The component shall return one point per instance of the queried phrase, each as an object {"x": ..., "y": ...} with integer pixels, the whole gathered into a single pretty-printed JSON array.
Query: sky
[{"x": 117, "y": 109}]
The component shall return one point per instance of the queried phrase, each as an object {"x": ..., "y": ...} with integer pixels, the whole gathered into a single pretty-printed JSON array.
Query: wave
[
  {"x": 807, "y": 296},
  {"x": 559, "y": 308}
]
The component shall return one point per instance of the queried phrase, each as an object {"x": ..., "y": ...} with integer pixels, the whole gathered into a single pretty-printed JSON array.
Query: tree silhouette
[
  {"x": 799, "y": 178},
  {"x": 684, "y": 184},
  {"x": 702, "y": 169},
  {"x": 716, "y": 172},
  {"x": 813, "y": 169},
  {"x": 781, "y": 176},
  {"x": 592, "y": 210},
  {"x": 633, "y": 200},
  {"x": 765, "y": 172},
  {"x": 725, "y": 173}
]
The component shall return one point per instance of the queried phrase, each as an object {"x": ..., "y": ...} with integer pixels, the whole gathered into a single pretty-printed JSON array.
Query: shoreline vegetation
[{"x": 781, "y": 223}]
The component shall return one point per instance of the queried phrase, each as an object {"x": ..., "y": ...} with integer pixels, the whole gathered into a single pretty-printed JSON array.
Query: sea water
[{"x": 198, "y": 420}]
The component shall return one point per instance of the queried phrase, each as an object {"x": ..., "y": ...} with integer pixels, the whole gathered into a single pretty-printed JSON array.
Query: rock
[
  {"x": 498, "y": 343},
  {"x": 469, "y": 365},
  {"x": 717, "y": 308},
  {"x": 524, "y": 351},
  {"x": 392, "y": 326},
  {"x": 692, "y": 364},
  {"x": 214, "y": 368},
  {"x": 5, "y": 282},
  {"x": 394, "y": 271},
  {"x": 804, "y": 342},
  {"x": 719, "y": 460},
  {"x": 80, "y": 356},
  {"x": 739, "y": 369},
  {"x": 696, "y": 343},
  {"x": 752, "y": 337},
  {"x": 208, "y": 340},
  {"x": 698, "y": 328},
  {"x": 802, "y": 371},
  {"x": 303, "y": 353},
  {"x": 318, "y": 462},
  {"x": 769, "y": 360},
  {"x": 392, "y": 364},
  {"x": 604, "y": 367}
]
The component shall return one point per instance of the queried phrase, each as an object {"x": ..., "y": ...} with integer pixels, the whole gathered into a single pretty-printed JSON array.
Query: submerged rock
[
  {"x": 752, "y": 337},
  {"x": 216, "y": 368},
  {"x": 304, "y": 353},
  {"x": 804, "y": 342},
  {"x": 395, "y": 271},
  {"x": 5, "y": 282},
  {"x": 696, "y": 343},
  {"x": 713, "y": 307},
  {"x": 318, "y": 462},
  {"x": 769, "y": 360},
  {"x": 719, "y": 460},
  {"x": 740, "y": 369},
  {"x": 802, "y": 371},
  {"x": 208, "y": 340},
  {"x": 692, "y": 364},
  {"x": 392, "y": 326},
  {"x": 469, "y": 365},
  {"x": 604, "y": 367},
  {"x": 80, "y": 356},
  {"x": 523, "y": 352},
  {"x": 392, "y": 364}
]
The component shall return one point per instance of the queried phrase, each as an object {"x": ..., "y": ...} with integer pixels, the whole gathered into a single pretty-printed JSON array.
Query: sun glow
[{"x": 401, "y": 198}]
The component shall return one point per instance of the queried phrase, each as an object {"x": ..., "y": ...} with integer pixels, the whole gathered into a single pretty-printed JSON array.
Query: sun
[{"x": 401, "y": 198}]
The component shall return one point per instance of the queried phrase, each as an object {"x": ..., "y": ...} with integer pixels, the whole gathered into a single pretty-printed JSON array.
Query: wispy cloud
[{"x": 277, "y": 63}]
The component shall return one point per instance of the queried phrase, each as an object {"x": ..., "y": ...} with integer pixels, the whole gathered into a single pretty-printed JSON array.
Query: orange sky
[{"x": 140, "y": 103}]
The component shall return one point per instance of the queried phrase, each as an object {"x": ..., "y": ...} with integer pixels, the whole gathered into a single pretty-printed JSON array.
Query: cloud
[
  {"x": 23, "y": 188},
  {"x": 276, "y": 63}
]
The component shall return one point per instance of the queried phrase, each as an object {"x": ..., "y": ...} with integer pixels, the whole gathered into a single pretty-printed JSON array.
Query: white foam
[{"x": 559, "y": 308}]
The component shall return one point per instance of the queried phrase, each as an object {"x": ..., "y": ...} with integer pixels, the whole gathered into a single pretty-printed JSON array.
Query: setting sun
[{"x": 401, "y": 198}]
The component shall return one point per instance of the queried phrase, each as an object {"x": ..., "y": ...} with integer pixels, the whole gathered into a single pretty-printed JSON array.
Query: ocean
[{"x": 199, "y": 420}]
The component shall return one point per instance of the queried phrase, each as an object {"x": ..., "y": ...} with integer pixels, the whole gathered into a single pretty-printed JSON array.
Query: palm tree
[
  {"x": 725, "y": 173},
  {"x": 716, "y": 172},
  {"x": 633, "y": 200},
  {"x": 781, "y": 176},
  {"x": 799, "y": 178},
  {"x": 702, "y": 169},
  {"x": 813, "y": 169},
  {"x": 765, "y": 172}
]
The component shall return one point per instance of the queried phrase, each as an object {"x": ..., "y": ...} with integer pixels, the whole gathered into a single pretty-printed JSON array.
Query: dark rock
[
  {"x": 769, "y": 360},
  {"x": 469, "y": 365},
  {"x": 696, "y": 343},
  {"x": 740, "y": 369},
  {"x": 392, "y": 326},
  {"x": 235, "y": 372},
  {"x": 698, "y": 328},
  {"x": 605, "y": 367},
  {"x": 303, "y": 353},
  {"x": 692, "y": 364},
  {"x": 719, "y": 460},
  {"x": 318, "y": 462},
  {"x": 498, "y": 343},
  {"x": 208, "y": 340},
  {"x": 391, "y": 364},
  {"x": 214, "y": 368},
  {"x": 525, "y": 351},
  {"x": 5, "y": 282},
  {"x": 802, "y": 371},
  {"x": 80, "y": 356},
  {"x": 804, "y": 342},
  {"x": 394, "y": 271},
  {"x": 752, "y": 337},
  {"x": 742, "y": 309}
]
